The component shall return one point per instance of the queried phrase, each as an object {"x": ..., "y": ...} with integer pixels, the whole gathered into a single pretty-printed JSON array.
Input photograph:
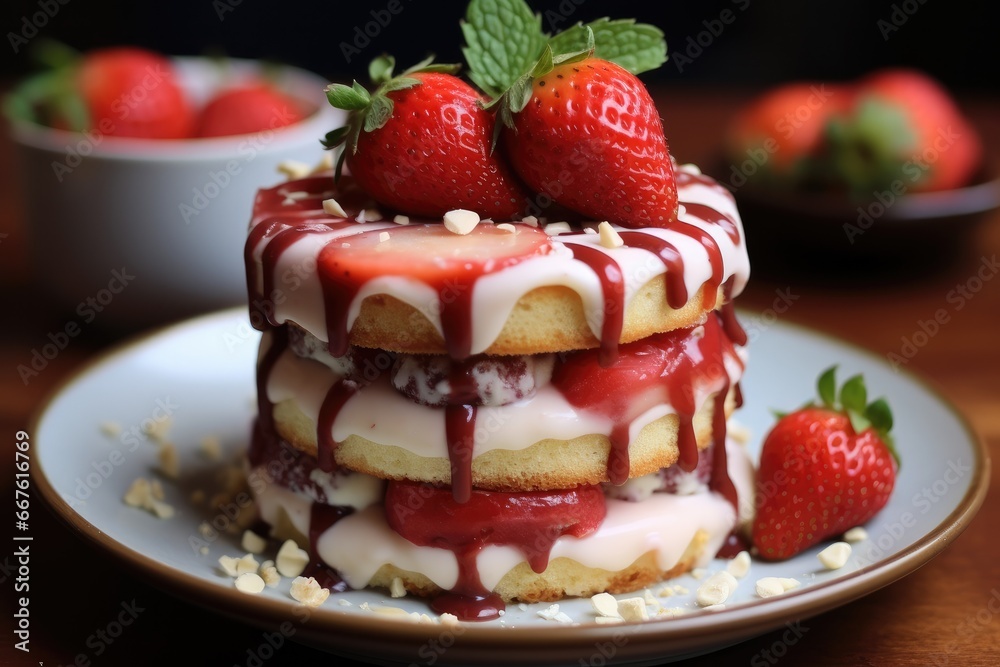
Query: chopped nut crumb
[
  {"x": 699, "y": 573},
  {"x": 507, "y": 227},
  {"x": 857, "y": 534},
  {"x": 253, "y": 542},
  {"x": 158, "y": 429},
  {"x": 141, "y": 494},
  {"x": 448, "y": 619},
  {"x": 396, "y": 588},
  {"x": 530, "y": 220},
  {"x": 552, "y": 613},
  {"x": 293, "y": 169},
  {"x": 111, "y": 429},
  {"x": 344, "y": 603},
  {"x": 609, "y": 235},
  {"x": 633, "y": 609},
  {"x": 556, "y": 228},
  {"x": 369, "y": 215},
  {"x": 170, "y": 463},
  {"x": 383, "y": 237},
  {"x": 605, "y": 604},
  {"x": 333, "y": 207},
  {"x": 228, "y": 565},
  {"x": 211, "y": 448},
  {"x": 325, "y": 163},
  {"x": 461, "y": 221},
  {"x": 249, "y": 582},
  {"x": 308, "y": 591},
  {"x": 270, "y": 575},
  {"x": 771, "y": 586},
  {"x": 401, "y": 219},
  {"x": 835, "y": 556},
  {"x": 740, "y": 565},
  {"x": 716, "y": 589},
  {"x": 291, "y": 561},
  {"x": 203, "y": 551}
]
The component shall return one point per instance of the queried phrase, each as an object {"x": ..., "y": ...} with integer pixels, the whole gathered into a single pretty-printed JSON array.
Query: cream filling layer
[
  {"x": 361, "y": 543},
  {"x": 379, "y": 413}
]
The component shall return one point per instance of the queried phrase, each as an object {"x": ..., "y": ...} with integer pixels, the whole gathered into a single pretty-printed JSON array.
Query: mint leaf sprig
[{"x": 506, "y": 49}]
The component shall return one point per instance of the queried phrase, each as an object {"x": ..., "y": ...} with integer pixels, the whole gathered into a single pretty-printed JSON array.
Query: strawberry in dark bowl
[{"x": 887, "y": 171}]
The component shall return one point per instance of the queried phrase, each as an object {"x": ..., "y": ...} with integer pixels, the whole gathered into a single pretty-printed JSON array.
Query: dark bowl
[{"x": 890, "y": 231}]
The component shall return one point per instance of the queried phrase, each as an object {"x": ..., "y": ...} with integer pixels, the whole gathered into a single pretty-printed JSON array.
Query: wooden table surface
[{"x": 945, "y": 613}]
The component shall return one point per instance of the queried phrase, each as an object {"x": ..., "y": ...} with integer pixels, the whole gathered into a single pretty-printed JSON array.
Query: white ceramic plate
[{"x": 200, "y": 374}]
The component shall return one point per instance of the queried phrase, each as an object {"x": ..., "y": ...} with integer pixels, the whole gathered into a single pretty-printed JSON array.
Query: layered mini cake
[{"x": 515, "y": 410}]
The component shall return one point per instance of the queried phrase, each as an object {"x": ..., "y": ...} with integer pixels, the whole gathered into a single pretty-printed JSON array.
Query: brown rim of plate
[{"x": 357, "y": 635}]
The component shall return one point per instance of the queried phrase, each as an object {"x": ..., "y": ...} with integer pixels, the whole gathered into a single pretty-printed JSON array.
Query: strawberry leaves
[
  {"x": 853, "y": 401},
  {"x": 370, "y": 111}
]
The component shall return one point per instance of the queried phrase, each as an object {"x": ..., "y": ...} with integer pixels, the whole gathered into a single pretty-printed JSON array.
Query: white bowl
[{"x": 128, "y": 233}]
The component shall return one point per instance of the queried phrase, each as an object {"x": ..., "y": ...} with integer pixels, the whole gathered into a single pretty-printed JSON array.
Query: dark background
[{"x": 767, "y": 40}]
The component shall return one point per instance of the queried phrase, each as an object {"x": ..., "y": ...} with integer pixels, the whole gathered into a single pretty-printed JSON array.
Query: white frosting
[
  {"x": 300, "y": 295},
  {"x": 663, "y": 523}
]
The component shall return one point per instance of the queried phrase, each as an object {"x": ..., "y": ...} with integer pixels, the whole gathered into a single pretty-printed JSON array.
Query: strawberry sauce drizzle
[
  {"x": 339, "y": 393},
  {"x": 613, "y": 291},
  {"x": 710, "y": 215},
  {"x": 279, "y": 343},
  {"x": 529, "y": 521},
  {"x": 677, "y": 294}
]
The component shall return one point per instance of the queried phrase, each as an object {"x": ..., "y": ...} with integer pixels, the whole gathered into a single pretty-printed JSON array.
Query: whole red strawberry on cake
[{"x": 499, "y": 348}]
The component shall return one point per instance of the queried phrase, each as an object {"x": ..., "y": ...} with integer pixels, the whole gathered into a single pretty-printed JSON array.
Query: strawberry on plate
[
  {"x": 421, "y": 143},
  {"x": 823, "y": 469},
  {"x": 248, "y": 108}
]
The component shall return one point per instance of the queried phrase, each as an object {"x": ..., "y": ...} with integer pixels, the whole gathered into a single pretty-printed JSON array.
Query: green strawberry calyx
[
  {"x": 369, "y": 111},
  {"x": 869, "y": 147},
  {"x": 506, "y": 49},
  {"x": 51, "y": 96},
  {"x": 852, "y": 399}
]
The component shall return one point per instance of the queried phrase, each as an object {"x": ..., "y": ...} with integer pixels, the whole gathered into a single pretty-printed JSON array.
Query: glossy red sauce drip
[
  {"x": 279, "y": 343},
  {"x": 460, "y": 429},
  {"x": 730, "y": 322},
  {"x": 663, "y": 368},
  {"x": 339, "y": 393},
  {"x": 613, "y": 292},
  {"x": 530, "y": 521},
  {"x": 709, "y": 214},
  {"x": 677, "y": 294},
  {"x": 321, "y": 518},
  {"x": 710, "y": 293}
]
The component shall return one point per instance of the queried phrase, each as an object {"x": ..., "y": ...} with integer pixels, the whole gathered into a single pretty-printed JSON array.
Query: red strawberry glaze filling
[{"x": 530, "y": 521}]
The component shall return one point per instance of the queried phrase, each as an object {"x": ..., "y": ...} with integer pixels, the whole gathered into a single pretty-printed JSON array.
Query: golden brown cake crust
[
  {"x": 547, "y": 464},
  {"x": 546, "y": 319}
]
